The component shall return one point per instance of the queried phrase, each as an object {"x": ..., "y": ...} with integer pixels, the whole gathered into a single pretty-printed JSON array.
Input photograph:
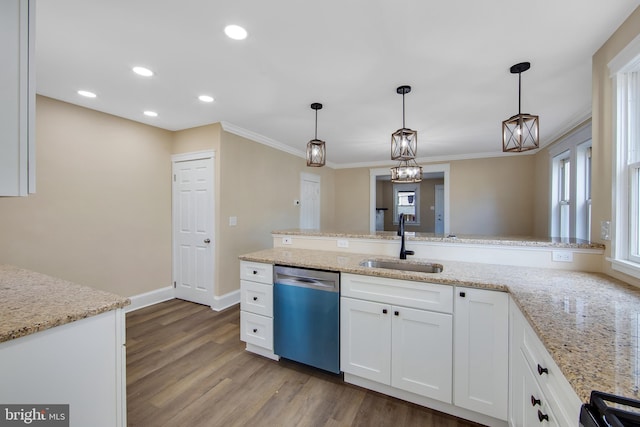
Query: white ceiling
[{"x": 350, "y": 55}]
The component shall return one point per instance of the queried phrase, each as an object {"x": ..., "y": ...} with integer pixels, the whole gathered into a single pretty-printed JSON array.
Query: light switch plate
[
  {"x": 605, "y": 230},
  {"x": 233, "y": 221}
]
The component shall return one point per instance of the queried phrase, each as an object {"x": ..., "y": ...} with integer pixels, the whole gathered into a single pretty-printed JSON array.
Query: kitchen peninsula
[
  {"x": 62, "y": 343},
  {"x": 585, "y": 321}
]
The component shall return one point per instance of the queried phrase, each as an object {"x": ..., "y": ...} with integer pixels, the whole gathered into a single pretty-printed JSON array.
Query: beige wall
[
  {"x": 487, "y": 197},
  {"x": 102, "y": 212},
  {"x": 258, "y": 185},
  {"x": 352, "y": 200},
  {"x": 602, "y": 131}
]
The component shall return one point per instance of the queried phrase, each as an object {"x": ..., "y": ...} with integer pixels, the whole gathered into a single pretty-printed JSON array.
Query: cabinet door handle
[
  {"x": 463, "y": 294},
  {"x": 397, "y": 313},
  {"x": 255, "y": 272},
  {"x": 255, "y": 330},
  {"x": 542, "y": 370},
  {"x": 542, "y": 417},
  {"x": 384, "y": 311},
  {"x": 535, "y": 401},
  {"x": 255, "y": 298}
]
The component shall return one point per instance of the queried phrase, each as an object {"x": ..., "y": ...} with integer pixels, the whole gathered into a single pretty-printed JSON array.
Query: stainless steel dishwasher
[{"x": 306, "y": 316}]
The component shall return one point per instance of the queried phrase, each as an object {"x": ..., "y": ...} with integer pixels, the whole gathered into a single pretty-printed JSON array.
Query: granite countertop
[
  {"x": 32, "y": 302},
  {"x": 568, "y": 243},
  {"x": 588, "y": 322}
]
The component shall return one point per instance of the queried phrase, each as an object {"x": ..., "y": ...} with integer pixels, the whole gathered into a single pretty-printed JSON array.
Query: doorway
[
  {"x": 193, "y": 231},
  {"x": 309, "y": 201}
]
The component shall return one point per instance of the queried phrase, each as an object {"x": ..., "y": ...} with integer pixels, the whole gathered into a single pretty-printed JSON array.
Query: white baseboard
[
  {"x": 149, "y": 298},
  {"x": 226, "y": 300}
]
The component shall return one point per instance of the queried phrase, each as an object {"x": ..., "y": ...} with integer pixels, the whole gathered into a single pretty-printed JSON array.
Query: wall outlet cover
[
  {"x": 343, "y": 243},
  {"x": 562, "y": 256}
]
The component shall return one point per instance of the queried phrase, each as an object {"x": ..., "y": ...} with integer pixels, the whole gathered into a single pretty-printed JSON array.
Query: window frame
[
  {"x": 625, "y": 200},
  {"x": 573, "y": 149}
]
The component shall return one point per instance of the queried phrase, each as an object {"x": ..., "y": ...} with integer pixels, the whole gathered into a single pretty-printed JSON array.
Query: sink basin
[{"x": 403, "y": 266}]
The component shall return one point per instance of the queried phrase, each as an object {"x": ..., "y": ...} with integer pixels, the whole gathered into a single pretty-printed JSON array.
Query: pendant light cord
[
  {"x": 519, "y": 91},
  {"x": 403, "y": 110},
  {"x": 316, "y": 137}
]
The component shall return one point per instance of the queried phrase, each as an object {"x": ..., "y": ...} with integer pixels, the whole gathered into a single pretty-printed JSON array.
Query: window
[
  {"x": 406, "y": 200},
  {"x": 625, "y": 71},
  {"x": 571, "y": 186}
]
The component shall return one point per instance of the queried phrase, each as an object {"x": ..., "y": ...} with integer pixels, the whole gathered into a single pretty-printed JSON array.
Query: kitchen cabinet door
[
  {"x": 17, "y": 104},
  {"x": 481, "y": 351},
  {"x": 365, "y": 339},
  {"x": 422, "y": 345}
]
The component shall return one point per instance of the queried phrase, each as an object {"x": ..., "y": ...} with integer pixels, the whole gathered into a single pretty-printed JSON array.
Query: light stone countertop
[
  {"x": 588, "y": 322},
  {"x": 568, "y": 243},
  {"x": 32, "y": 302}
]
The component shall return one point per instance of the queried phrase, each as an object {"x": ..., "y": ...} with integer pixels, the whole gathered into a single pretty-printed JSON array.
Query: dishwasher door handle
[{"x": 306, "y": 282}]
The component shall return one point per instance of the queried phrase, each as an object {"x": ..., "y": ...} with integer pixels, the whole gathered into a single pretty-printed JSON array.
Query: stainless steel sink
[{"x": 425, "y": 267}]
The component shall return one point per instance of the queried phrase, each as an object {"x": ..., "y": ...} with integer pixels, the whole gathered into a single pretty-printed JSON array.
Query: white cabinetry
[
  {"x": 388, "y": 337},
  {"x": 540, "y": 394},
  {"x": 17, "y": 103},
  {"x": 81, "y": 363},
  {"x": 481, "y": 361},
  {"x": 256, "y": 307}
]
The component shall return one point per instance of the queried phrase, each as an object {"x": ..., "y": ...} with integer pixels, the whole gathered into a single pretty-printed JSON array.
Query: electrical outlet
[
  {"x": 562, "y": 256},
  {"x": 343, "y": 243},
  {"x": 287, "y": 241}
]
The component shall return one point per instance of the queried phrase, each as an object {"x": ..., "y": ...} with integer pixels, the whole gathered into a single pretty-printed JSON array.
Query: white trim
[
  {"x": 265, "y": 140},
  {"x": 629, "y": 268},
  {"x": 437, "y": 167},
  {"x": 579, "y": 136},
  {"x": 150, "y": 298},
  {"x": 225, "y": 301},
  {"x": 628, "y": 59},
  {"x": 194, "y": 155}
]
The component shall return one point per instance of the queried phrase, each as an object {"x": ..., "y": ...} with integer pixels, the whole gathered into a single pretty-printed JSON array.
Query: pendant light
[
  {"x": 316, "y": 151},
  {"x": 404, "y": 146},
  {"x": 520, "y": 132},
  {"x": 404, "y": 142}
]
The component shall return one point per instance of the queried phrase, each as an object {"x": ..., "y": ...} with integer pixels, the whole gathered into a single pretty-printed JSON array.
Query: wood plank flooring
[{"x": 186, "y": 366}]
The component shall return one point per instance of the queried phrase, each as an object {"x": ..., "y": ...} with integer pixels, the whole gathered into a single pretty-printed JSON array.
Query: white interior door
[
  {"x": 309, "y": 201},
  {"x": 439, "y": 208},
  {"x": 193, "y": 239}
]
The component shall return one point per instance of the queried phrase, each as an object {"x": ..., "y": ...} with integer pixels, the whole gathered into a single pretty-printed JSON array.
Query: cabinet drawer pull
[
  {"x": 255, "y": 298},
  {"x": 397, "y": 313},
  {"x": 542, "y": 417},
  {"x": 542, "y": 370},
  {"x": 255, "y": 330},
  {"x": 255, "y": 271},
  {"x": 463, "y": 294},
  {"x": 535, "y": 401},
  {"x": 384, "y": 311}
]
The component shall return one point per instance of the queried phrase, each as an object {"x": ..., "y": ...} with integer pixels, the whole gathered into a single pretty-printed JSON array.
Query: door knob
[{"x": 207, "y": 240}]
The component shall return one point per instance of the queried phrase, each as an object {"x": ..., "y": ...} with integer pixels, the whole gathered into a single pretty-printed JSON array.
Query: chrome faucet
[{"x": 403, "y": 251}]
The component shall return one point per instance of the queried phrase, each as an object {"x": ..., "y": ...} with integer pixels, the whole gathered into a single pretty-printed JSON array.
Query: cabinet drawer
[
  {"x": 427, "y": 296},
  {"x": 256, "y": 272},
  {"x": 256, "y": 329},
  {"x": 256, "y": 298},
  {"x": 536, "y": 405}
]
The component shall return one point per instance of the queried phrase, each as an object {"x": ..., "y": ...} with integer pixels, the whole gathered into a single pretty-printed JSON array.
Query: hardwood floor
[{"x": 186, "y": 366}]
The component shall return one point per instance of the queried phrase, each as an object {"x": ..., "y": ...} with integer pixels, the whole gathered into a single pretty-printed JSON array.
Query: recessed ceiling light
[
  {"x": 87, "y": 94},
  {"x": 235, "y": 32},
  {"x": 205, "y": 98},
  {"x": 143, "y": 71},
  {"x": 151, "y": 113}
]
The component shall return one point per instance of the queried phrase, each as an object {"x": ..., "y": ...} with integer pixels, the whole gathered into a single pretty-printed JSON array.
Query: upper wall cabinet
[{"x": 17, "y": 103}]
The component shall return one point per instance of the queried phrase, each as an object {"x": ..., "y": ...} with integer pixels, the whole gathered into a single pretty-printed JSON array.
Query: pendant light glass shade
[
  {"x": 406, "y": 171},
  {"x": 316, "y": 150},
  {"x": 520, "y": 132},
  {"x": 404, "y": 141}
]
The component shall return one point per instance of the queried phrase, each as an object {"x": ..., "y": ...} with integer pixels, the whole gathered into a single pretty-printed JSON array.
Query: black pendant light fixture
[
  {"x": 404, "y": 146},
  {"x": 520, "y": 132},
  {"x": 316, "y": 151}
]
